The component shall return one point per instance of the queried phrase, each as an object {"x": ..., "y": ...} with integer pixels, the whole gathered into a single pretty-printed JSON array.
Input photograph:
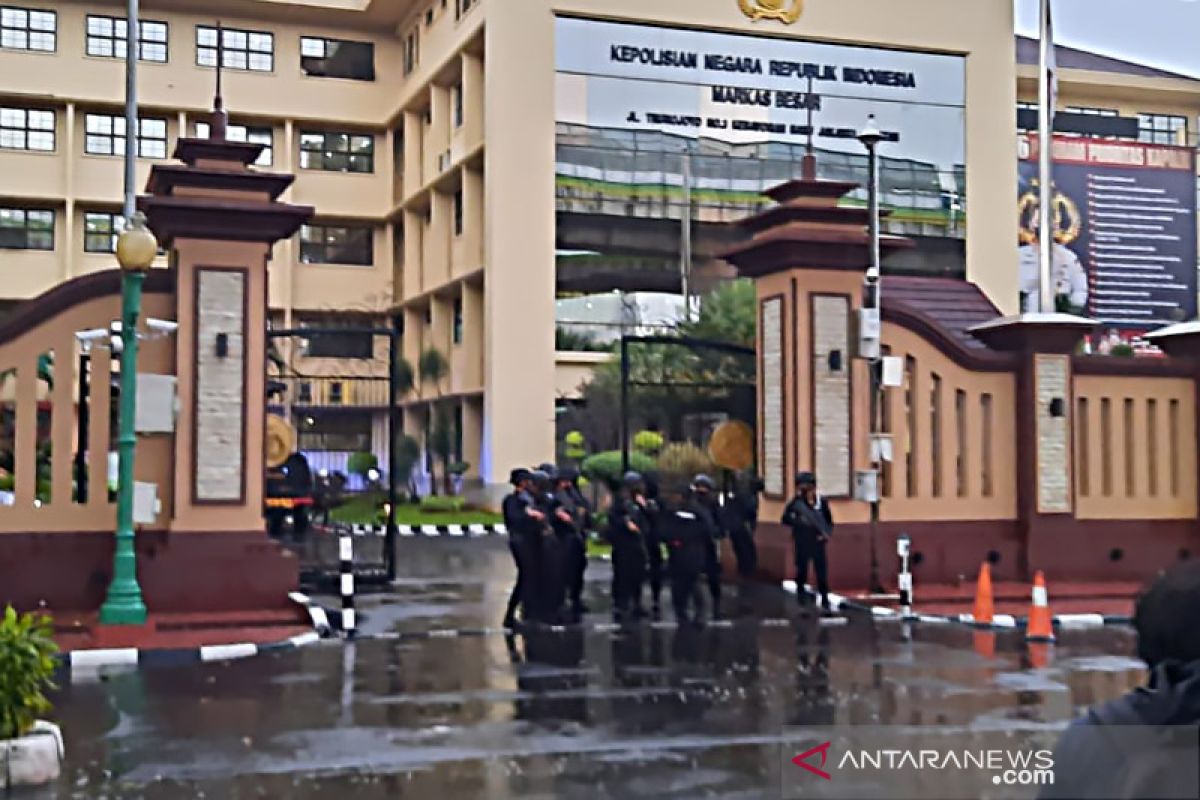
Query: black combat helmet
[
  {"x": 703, "y": 483},
  {"x": 632, "y": 479},
  {"x": 541, "y": 479},
  {"x": 550, "y": 470},
  {"x": 518, "y": 476}
]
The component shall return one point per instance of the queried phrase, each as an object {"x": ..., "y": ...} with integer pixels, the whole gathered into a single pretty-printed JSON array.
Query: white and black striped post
[
  {"x": 346, "y": 567},
  {"x": 905, "y": 581}
]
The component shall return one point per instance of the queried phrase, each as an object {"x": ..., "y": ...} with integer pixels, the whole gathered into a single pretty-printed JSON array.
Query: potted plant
[{"x": 31, "y": 750}]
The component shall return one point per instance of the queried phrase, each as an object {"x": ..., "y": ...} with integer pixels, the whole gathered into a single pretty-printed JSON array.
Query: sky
[{"x": 1161, "y": 33}]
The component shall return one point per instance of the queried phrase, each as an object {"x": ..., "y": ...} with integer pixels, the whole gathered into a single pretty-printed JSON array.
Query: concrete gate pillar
[{"x": 219, "y": 218}]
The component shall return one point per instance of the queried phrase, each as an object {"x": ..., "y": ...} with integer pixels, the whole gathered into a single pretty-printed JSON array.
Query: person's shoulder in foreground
[{"x": 1099, "y": 756}]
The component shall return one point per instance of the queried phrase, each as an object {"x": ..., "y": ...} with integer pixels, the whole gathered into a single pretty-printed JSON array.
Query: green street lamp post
[{"x": 136, "y": 249}]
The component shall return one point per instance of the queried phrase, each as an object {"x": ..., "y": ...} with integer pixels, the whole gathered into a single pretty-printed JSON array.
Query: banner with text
[{"x": 1124, "y": 216}]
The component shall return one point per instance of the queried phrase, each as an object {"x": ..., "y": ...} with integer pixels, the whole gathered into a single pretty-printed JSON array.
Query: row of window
[
  {"x": 34, "y": 129},
  {"x": 1168, "y": 129},
  {"x": 253, "y": 51},
  {"x": 33, "y": 229}
]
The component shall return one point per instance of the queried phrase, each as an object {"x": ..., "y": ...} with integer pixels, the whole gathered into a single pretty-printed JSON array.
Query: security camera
[
  {"x": 92, "y": 336},
  {"x": 162, "y": 327}
]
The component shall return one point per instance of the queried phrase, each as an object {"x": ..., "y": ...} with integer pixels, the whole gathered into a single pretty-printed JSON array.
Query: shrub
[
  {"x": 576, "y": 446},
  {"x": 648, "y": 442},
  {"x": 1122, "y": 351},
  {"x": 361, "y": 463},
  {"x": 458, "y": 467},
  {"x": 606, "y": 467},
  {"x": 26, "y": 670},
  {"x": 679, "y": 462},
  {"x": 442, "y": 503}
]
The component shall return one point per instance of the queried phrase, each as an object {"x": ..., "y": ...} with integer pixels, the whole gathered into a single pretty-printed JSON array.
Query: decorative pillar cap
[{"x": 1035, "y": 332}]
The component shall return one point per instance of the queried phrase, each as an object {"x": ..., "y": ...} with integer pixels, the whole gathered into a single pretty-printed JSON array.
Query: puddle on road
[{"x": 647, "y": 712}]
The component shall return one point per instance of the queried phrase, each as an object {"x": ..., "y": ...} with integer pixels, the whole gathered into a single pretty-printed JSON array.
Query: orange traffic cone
[
  {"x": 985, "y": 643},
  {"x": 984, "y": 606},
  {"x": 1039, "y": 654},
  {"x": 1040, "y": 627}
]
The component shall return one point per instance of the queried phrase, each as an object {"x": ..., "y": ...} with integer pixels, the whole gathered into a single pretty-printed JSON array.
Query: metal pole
[
  {"x": 685, "y": 246},
  {"x": 393, "y": 455},
  {"x": 83, "y": 428},
  {"x": 873, "y": 301},
  {"x": 131, "y": 105},
  {"x": 1045, "y": 168},
  {"x": 624, "y": 404},
  {"x": 124, "y": 604}
]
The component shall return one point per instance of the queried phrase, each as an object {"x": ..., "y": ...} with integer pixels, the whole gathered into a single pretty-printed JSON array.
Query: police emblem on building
[{"x": 786, "y": 11}]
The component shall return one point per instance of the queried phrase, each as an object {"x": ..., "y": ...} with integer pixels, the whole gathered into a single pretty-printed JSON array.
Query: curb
[
  {"x": 88, "y": 663},
  {"x": 473, "y": 530},
  {"x": 1000, "y": 622},
  {"x": 592, "y": 627}
]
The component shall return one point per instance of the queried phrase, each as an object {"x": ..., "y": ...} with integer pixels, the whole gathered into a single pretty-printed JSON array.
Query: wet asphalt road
[{"x": 586, "y": 713}]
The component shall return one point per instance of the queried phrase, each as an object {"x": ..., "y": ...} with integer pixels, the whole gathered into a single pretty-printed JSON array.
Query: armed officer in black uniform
[
  {"x": 689, "y": 531},
  {"x": 524, "y": 523},
  {"x": 655, "y": 560},
  {"x": 627, "y": 526},
  {"x": 704, "y": 493},
  {"x": 552, "y": 585},
  {"x": 572, "y": 539}
]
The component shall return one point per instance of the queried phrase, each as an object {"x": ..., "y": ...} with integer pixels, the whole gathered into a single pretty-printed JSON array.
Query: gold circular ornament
[
  {"x": 1066, "y": 220},
  {"x": 786, "y": 11},
  {"x": 281, "y": 439},
  {"x": 732, "y": 446}
]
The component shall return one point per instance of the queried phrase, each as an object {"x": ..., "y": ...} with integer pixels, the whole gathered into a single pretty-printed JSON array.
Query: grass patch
[{"x": 365, "y": 509}]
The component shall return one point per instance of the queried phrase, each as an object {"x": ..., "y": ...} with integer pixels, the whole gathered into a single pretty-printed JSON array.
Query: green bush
[
  {"x": 26, "y": 670},
  {"x": 458, "y": 467},
  {"x": 606, "y": 467},
  {"x": 679, "y": 462},
  {"x": 442, "y": 503},
  {"x": 361, "y": 463},
  {"x": 576, "y": 446},
  {"x": 648, "y": 442}
]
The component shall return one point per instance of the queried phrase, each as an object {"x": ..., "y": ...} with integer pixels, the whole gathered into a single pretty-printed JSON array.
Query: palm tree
[{"x": 433, "y": 367}]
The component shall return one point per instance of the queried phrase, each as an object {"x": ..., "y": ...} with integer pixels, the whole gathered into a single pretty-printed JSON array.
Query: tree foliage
[{"x": 27, "y": 666}]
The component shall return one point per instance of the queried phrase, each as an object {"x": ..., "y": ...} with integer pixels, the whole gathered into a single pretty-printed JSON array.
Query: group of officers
[{"x": 668, "y": 534}]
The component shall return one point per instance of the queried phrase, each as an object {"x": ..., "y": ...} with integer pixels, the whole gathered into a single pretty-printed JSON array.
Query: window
[
  {"x": 1083, "y": 466},
  {"x": 337, "y": 394},
  {"x": 910, "y": 439},
  {"x": 341, "y": 345},
  {"x": 1162, "y": 129},
  {"x": 1173, "y": 431},
  {"x": 28, "y": 29},
  {"x": 106, "y": 136},
  {"x": 458, "y": 213},
  {"x": 347, "y": 433},
  {"x": 337, "y": 58},
  {"x": 248, "y": 50},
  {"x": 457, "y": 328},
  {"x": 412, "y": 44},
  {"x": 107, "y": 37},
  {"x": 1130, "y": 483},
  {"x": 304, "y": 392},
  {"x": 935, "y": 432},
  {"x": 1152, "y": 442},
  {"x": 26, "y": 129},
  {"x": 337, "y": 152},
  {"x": 456, "y": 96},
  {"x": 960, "y": 420},
  {"x": 985, "y": 405},
  {"x": 336, "y": 244},
  {"x": 100, "y": 231},
  {"x": 26, "y": 229},
  {"x": 247, "y": 133},
  {"x": 463, "y": 6},
  {"x": 1106, "y": 465}
]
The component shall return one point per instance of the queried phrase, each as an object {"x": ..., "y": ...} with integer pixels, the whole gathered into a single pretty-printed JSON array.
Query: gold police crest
[{"x": 786, "y": 11}]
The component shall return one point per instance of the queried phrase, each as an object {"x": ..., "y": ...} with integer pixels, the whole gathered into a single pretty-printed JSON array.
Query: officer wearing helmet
[
  {"x": 704, "y": 491},
  {"x": 551, "y": 586},
  {"x": 812, "y": 526},
  {"x": 627, "y": 527},
  {"x": 689, "y": 531},
  {"x": 524, "y": 522},
  {"x": 572, "y": 538}
]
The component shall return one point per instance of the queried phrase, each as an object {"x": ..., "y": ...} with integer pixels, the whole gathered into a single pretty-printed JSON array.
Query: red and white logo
[{"x": 802, "y": 760}]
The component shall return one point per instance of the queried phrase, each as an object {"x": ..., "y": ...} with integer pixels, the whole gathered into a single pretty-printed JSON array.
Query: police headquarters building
[{"x": 483, "y": 170}]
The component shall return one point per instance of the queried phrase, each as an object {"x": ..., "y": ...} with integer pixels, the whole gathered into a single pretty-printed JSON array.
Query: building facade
[{"x": 458, "y": 152}]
